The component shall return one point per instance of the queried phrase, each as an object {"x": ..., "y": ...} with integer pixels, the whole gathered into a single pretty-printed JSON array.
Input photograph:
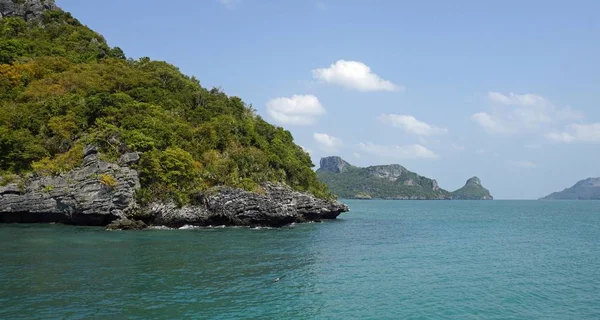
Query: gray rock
[
  {"x": 89, "y": 150},
  {"x": 10, "y": 189},
  {"x": 77, "y": 197},
  {"x": 27, "y": 9},
  {"x": 279, "y": 206},
  {"x": 389, "y": 172},
  {"x": 334, "y": 164},
  {"x": 126, "y": 224},
  {"x": 129, "y": 158}
]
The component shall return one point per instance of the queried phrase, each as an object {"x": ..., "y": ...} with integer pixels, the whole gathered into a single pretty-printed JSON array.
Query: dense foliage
[
  {"x": 472, "y": 191},
  {"x": 361, "y": 183},
  {"x": 62, "y": 87}
]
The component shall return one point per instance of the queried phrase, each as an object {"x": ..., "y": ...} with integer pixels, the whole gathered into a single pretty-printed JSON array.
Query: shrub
[{"x": 108, "y": 180}]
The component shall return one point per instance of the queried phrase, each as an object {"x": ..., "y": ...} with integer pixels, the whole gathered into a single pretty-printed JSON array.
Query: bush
[{"x": 108, "y": 180}]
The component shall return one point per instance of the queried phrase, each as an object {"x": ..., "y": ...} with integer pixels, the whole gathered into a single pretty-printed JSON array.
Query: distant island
[
  {"x": 390, "y": 182},
  {"x": 587, "y": 189}
]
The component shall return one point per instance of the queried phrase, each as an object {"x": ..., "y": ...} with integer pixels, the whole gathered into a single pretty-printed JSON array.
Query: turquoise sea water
[{"x": 383, "y": 260}]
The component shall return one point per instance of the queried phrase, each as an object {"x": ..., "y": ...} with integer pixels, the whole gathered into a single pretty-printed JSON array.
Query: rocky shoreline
[{"x": 101, "y": 193}]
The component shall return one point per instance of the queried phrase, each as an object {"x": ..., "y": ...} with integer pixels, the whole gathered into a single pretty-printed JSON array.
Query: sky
[{"x": 508, "y": 91}]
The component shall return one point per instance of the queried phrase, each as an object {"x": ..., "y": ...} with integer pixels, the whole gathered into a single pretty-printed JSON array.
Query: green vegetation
[
  {"x": 587, "y": 189},
  {"x": 62, "y": 87},
  {"x": 390, "y": 182},
  {"x": 473, "y": 190},
  {"x": 108, "y": 180},
  {"x": 365, "y": 183}
]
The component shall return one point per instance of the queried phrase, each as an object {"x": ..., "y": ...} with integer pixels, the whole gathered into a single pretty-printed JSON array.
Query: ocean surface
[{"x": 383, "y": 260}]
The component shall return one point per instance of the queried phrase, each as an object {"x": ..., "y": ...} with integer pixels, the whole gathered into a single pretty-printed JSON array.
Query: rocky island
[
  {"x": 89, "y": 137},
  {"x": 390, "y": 182},
  {"x": 587, "y": 189}
]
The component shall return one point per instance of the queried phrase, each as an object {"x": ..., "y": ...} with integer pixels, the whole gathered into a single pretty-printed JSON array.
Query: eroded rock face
[
  {"x": 390, "y": 172},
  {"x": 27, "y": 9},
  {"x": 279, "y": 206},
  {"x": 102, "y": 193},
  {"x": 94, "y": 194},
  {"x": 334, "y": 164}
]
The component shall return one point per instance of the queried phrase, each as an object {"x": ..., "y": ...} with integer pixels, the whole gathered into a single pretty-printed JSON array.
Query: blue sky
[{"x": 508, "y": 91}]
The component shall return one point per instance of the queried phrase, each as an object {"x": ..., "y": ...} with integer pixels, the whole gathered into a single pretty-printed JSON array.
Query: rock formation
[
  {"x": 27, "y": 9},
  {"x": 94, "y": 194},
  {"x": 102, "y": 193},
  {"x": 334, "y": 164}
]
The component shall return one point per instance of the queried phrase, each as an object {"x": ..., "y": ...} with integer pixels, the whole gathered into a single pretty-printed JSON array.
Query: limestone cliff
[
  {"x": 101, "y": 193},
  {"x": 27, "y": 9}
]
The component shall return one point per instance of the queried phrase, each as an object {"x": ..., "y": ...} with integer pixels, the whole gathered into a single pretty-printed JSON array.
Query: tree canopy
[{"x": 63, "y": 87}]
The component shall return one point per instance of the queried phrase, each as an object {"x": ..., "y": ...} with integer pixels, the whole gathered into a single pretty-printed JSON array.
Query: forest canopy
[{"x": 62, "y": 87}]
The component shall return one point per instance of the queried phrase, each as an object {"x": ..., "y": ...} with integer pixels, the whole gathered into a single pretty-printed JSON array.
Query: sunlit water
[{"x": 385, "y": 259}]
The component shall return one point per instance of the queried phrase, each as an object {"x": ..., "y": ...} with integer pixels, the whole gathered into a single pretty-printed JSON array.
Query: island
[
  {"x": 390, "y": 182},
  {"x": 91, "y": 137},
  {"x": 587, "y": 189}
]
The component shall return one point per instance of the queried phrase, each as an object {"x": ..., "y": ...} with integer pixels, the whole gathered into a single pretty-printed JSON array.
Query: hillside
[
  {"x": 473, "y": 190},
  {"x": 587, "y": 189},
  {"x": 389, "y": 182},
  {"x": 62, "y": 87}
]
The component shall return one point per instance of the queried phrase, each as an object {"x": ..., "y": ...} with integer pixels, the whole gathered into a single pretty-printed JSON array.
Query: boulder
[{"x": 126, "y": 224}]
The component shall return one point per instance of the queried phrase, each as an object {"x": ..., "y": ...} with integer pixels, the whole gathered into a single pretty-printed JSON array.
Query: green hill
[
  {"x": 390, "y": 182},
  {"x": 473, "y": 190},
  {"x": 382, "y": 182},
  {"x": 587, "y": 189},
  {"x": 63, "y": 87}
]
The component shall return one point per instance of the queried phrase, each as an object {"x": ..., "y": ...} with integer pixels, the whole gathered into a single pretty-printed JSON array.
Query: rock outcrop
[
  {"x": 334, "y": 164},
  {"x": 27, "y": 9},
  {"x": 102, "y": 193},
  {"x": 278, "y": 206},
  {"x": 95, "y": 194}
]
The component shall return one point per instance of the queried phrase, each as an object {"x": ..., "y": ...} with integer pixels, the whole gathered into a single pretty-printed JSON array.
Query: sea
[{"x": 382, "y": 260}]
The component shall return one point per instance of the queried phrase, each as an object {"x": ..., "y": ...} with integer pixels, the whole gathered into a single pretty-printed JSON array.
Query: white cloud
[
  {"x": 354, "y": 75},
  {"x": 513, "y": 99},
  {"x": 327, "y": 143},
  {"x": 356, "y": 155},
  {"x": 577, "y": 133},
  {"x": 491, "y": 124},
  {"x": 524, "y": 164},
  {"x": 230, "y": 4},
  {"x": 299, "y": 109},
  {"x": 411, "y": 125},
  {"x": 525, "y": 112},
  {"x": 414, "y": 151}
]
